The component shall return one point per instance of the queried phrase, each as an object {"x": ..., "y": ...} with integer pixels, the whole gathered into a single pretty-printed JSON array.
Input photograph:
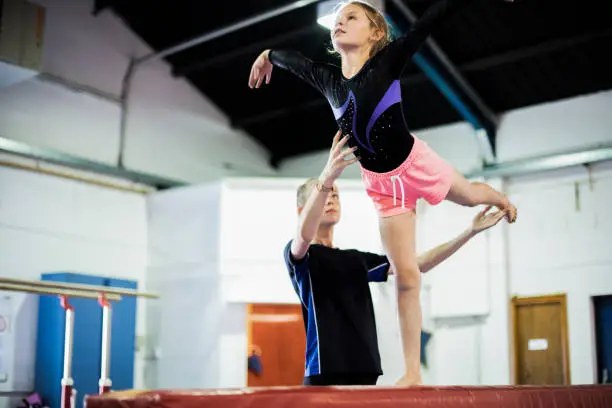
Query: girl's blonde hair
[{"x": 377, "y": 21}]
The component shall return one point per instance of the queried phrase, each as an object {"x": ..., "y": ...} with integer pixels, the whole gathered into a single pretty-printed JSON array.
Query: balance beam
[{"x": 591, "y": 396}]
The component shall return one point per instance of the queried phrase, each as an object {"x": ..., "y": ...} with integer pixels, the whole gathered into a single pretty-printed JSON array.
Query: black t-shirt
[{"x": 333, "y": 287}]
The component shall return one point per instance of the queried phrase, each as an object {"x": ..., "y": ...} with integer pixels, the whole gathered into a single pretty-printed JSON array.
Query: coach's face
[{"x": 331, "y": 211}]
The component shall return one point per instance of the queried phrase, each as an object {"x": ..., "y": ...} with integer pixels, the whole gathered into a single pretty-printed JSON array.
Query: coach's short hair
[{"x": 303, "y": 191}]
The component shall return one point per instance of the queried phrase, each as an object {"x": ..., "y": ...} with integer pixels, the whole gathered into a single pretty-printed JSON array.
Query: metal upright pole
[
  {"x": 105, "y": 381},
  {"x": 68, "y": 393}
]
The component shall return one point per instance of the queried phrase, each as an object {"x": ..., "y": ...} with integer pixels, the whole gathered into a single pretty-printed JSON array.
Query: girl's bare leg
[
  {"x": 470, "y": 194},
  {"x": 398, "y": 236}
]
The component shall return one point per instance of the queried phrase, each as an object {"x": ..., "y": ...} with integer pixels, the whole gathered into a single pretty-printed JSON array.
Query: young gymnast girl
[{"x": 397, "y": 168}]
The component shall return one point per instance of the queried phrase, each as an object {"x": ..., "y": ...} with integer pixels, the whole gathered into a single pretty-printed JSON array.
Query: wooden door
[
  {"x": 541, "y": 345},
  {"x": 276, "y": 332}
]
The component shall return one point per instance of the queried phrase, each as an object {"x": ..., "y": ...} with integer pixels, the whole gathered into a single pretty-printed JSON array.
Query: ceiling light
[{"x": 326, "y": 15}]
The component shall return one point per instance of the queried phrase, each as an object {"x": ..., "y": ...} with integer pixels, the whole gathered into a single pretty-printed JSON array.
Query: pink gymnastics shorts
[{"x": 424, "y": 174}]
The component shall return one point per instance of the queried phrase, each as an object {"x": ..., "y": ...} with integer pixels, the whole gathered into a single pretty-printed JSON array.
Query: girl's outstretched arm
[{"x": 318, "y": 75}]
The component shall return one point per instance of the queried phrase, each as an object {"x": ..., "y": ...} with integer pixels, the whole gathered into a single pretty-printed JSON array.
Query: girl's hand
[{"x": 262, "y": 68}]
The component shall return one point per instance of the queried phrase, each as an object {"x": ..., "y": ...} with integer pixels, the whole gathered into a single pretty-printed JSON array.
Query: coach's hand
[
  {"x": 483, "y": 221},
  {"x": 337, "y": 161}
]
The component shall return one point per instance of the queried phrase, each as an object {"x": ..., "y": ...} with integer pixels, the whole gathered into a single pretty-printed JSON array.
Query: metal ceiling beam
[
  {"x": 447, "y": 78},
  {"x": 506, "y": 169},
  {"x": 537, "y": 164},
  {"x": 226, "y": 30},
  {"x": 236, "y": 53},
  {"x": 56, "y": 157},
  {"x": 545, "y": 163}
]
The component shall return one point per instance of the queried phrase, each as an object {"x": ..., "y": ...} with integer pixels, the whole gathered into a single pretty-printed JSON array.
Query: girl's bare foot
[
  {"x": 510, "y": 209},
  {"x": 408, "y": 382},
  {"x": 511, "y": 213}
]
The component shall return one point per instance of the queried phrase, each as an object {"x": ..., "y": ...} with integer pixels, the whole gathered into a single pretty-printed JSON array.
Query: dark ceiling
[{"x": 511, "y": 54}]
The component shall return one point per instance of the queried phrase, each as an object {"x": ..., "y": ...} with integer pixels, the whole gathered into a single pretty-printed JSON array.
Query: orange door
[{"x": 276, "y": 332}]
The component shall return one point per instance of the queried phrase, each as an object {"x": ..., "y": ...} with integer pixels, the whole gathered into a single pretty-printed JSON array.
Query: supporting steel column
[
  {"x": 125, "y": 92},
  {"x": 441, "y": 71}
]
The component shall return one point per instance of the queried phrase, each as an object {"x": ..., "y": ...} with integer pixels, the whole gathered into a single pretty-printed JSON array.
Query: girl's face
[{"x": 353, "y": 29}]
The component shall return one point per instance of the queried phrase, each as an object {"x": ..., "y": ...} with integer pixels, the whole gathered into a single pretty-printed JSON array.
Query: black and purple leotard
[{"x": 368, "y": 106}]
